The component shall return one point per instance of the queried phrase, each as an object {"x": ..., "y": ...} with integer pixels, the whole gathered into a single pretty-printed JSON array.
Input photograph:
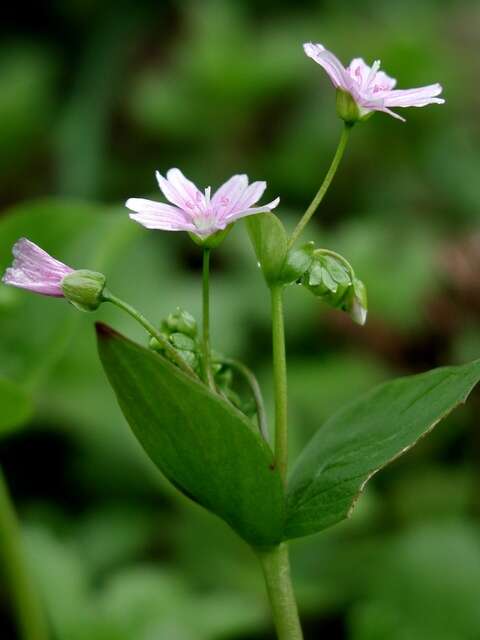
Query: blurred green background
[{"x": 94, "y": 96}]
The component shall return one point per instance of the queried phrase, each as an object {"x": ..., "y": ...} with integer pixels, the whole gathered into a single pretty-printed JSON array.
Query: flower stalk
[
  {"x": 280, "y": 381},
  {"x": 275, "y": 562},
  {"x": 31, "y": 619},
  {"x": 339, "y": 153},
  {"x": 207, "y": 365},
  {"x": 146, "y": 324}
]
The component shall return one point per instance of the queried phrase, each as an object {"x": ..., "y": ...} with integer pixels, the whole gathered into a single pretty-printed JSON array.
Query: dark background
[{"x": 94, "y": 96}]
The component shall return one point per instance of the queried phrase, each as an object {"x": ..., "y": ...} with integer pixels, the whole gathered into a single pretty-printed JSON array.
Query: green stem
[
  {"x": 252, "y": 382},
  {"x": 31, "y": 619},
  {"x": 305, "y": 219},
  {"x": 275, "y": 562},
  {"x": 146, "y": 324},
  {"x": 207, "y": 366},
  {"x": 280, "y": 381},
  {"x": 276, "y": 571}
]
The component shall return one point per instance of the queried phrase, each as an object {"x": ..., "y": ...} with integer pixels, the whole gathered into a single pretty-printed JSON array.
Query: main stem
[
  {"x": 280, "y": 381},
  {"x": 276, "y": 571},
  {"x": 305, "y": 219},
  {"x": 207, "y": 365},
  {"x": 275, "y": 561},
  {"x": 29, "y": 612}
]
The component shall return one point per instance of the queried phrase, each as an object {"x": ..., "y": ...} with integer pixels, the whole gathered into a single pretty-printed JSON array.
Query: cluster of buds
[{"x": 180, "y": 330}]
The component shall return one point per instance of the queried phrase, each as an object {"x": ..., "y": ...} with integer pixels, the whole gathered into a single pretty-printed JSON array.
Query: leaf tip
[{"x": 104, "y": 331}]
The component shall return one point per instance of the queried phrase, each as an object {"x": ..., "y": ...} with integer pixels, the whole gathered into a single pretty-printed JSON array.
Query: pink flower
[
  {"x": 371, "y": 89},
  {"x": 197, "y": 212},
  {"x": 34, "y": 269}
]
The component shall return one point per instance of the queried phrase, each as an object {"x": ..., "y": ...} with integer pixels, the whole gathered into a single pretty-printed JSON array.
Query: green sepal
[
  {"x": 201, "y": 443},
  {"x": 349, "y": 110},
  {"x": 212, "y": 241},
  {"x": 84, "y": 289},
  {"x": 269, "y": 240},
  {"x": 297, "y": 262}
]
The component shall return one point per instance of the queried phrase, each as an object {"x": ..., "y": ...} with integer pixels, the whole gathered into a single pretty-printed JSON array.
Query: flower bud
[
  {"x": 84, "y": 289},
  {"x": 180, "y": 322},
  {"x": 356, "y": 302}
]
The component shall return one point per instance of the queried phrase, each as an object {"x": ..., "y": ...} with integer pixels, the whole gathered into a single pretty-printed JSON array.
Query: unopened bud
[
  {"x": 357, "y": 302},
  {"x": 180, "y": 322}
]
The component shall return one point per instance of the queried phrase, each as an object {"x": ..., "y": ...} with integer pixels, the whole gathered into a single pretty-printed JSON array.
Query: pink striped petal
[
  {"x": 251, "y": 195},
  {"x": 332, "y": 65},
  {"x": 359, "y": 70},
  {"x": 418, "y": 97},
  {"x": 251, "y": 211},
  {"x": 229, "y": 193},
  {"x": 385, "y": 81},
  {"x": 184, "y": 187},
  {"x": 34, "y": 269},
  {"x": 158, "y": 215},
  {"x": 169, "y": 191}
]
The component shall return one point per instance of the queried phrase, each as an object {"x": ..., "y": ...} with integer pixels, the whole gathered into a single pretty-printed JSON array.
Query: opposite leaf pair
[{"x": 214, "y": 454}]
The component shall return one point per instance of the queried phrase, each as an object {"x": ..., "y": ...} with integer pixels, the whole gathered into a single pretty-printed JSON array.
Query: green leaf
[
  {"x": 356, "y": 442},
  {"x": 269, "y": 240},
  {"x": 204, "y": 446},
  {"x": 16, "y": 406}
]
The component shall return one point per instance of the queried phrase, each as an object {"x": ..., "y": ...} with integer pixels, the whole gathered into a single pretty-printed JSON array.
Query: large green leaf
[
  {"x": 356, "y": 442},
  {"x": 201, "y": 443}
]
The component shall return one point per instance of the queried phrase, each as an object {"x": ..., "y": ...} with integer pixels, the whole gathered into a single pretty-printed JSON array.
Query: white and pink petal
[
  {"x": 418, "y": 97},
  {"x": 242, "y": 213},
  {"x": 251, "y": 195},
  {"x": 330, "y": 63},
  {"x": 185, "y": 188},
  {"x": 158, "y": 215},
  {"x": 34, "y": 269},
  {"x": 228, "y": 194}
]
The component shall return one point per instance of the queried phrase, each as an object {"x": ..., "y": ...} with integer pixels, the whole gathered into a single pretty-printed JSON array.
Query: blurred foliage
[{"x": 97, "y": 95}]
